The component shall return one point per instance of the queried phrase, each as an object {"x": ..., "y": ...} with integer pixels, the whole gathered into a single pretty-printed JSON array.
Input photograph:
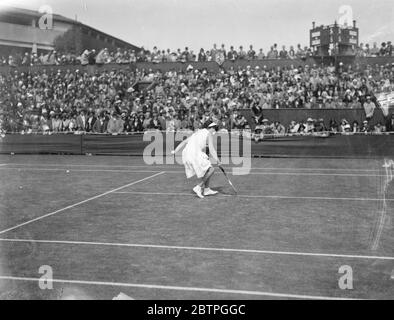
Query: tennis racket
[{"x": 228, "y": 179}]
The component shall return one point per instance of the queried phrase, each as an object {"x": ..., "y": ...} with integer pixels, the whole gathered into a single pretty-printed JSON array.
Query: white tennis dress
[{"x": 194, "y": 158}]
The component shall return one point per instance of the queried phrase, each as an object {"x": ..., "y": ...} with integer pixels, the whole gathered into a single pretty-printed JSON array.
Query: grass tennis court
[{"x": 111, "y": 224}]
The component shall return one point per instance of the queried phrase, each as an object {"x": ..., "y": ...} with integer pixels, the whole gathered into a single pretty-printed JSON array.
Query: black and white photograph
[{"x": 211, "y": 151}]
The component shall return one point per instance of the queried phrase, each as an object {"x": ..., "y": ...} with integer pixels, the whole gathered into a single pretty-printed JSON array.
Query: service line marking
[{"x": 81, "y": 202}]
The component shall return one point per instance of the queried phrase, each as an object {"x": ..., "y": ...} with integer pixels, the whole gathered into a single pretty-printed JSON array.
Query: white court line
[
  {"x": 81, "y": 170},
  {"x": 250, "y": 196},
  {"x": 81, "y": 202},
  {"x": 166, "y": 247},
  {"x": 182, "y": 171},
  {"x": 179, "y": 166},
  {"x": 178, "y": 288}
]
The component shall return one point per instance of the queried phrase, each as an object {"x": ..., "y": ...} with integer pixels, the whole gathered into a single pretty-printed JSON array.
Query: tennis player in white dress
[{"x": 196, "y": 161}]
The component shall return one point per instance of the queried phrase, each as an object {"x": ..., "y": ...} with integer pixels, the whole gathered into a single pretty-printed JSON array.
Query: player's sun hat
[{"x": 212, "y": 125}]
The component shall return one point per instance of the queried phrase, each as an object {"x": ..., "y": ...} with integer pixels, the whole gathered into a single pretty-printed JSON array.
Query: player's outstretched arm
[{"x": 180, "y": 146}]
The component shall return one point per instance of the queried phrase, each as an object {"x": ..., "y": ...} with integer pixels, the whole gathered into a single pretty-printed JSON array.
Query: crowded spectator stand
[{"x": 257, "y": 96}]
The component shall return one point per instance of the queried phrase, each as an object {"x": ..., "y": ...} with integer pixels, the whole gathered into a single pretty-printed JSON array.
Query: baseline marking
[
  {"x": 165, "y": 247},
  {"x": 178, "y": 288},
  {"x": 81, "y": 202},
  {"x": 182, "y": 171},
  {"x": 251, "y": 196}
]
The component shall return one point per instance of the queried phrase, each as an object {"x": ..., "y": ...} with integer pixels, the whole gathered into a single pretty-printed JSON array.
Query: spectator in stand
[
  {"x": 101, "y": 124},
  {"x": 293, "y": 127},
  {"x": 85, "y": 57},
  {"x": 382, "y": 51},
  {"x": 260, "y": 55},
  {"x": 241, "y": 53},
  {"x": 214, "y": 53},
  {"x": 209, "y": 56},
  {"x": 278, "y": 128},
  {"x": 56, "y": 123},
  {"x": 267, "y": 127},
  {"x": 365, "y": 127},
  {"x": 355, "y": 127},
  {"x": 102, "y": 57},
  {"x": 276, "y": 52},
  {"x": 389, "y": 49},
  {"x": 91, "y": 119},
  {"x": 344, "y": 123},
  {"x": 186, "y": 56},
  {"x": 369, "y": 107},
  {"x": 271, "y": 53},
  {"x": 147, "y": 122},
  {"x": 251, "y": 53},
  {"x": 320, "y": 126},
  {"x": 26, "y": 61},
  {"x": 81, "y": 121},
  {"x": 300, "y": 53},
  {"x": 73, "y": 122},
  {"x": 333, "y": 126},
  {"x": 232, "y": 54},
  {"x": 53, "y": 58},
  {"x": 347, "y": 130},
  {"x": 330, "y": 104},
  {"x": 138, "y": 124},
  {"x": 202, "y": 56},
  {"x": 92, "y": 57},
  {"x": 367, "y": 50},
  {"x": 374, "y": 52},
  {"x": 238, "y": 122},
  {"x": 309, "y": 126},
  {"x": 115, "y": 124},
  {"x": 355, "y": 104},
  {"x": 155, "y": 123},
  {"x": 283, "y": 53},
  {"x": 132, "y": 56},
  {"x": 262, "y": 129},
  {"x": 390, "y": 123},
  {"x": 221, "y": 55},
  {"x": 379, "y": 128},
  {"x": 291, "y": 53}
]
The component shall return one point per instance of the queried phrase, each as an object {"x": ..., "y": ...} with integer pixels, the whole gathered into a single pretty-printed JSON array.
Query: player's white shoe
[
  {"x": 209, "y": 192},
  {"x": 198, "y": 191}
]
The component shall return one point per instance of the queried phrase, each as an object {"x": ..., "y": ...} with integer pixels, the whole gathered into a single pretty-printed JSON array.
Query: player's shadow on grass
[{"x": 223, "y": 190}]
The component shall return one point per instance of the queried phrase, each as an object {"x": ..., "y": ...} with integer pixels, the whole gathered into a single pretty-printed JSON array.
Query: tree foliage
[{"x": 70, "y": 41}]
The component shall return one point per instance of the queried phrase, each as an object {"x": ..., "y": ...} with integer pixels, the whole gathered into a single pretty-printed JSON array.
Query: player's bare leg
[
  {"x": 205, "y": 183},
  {"x": 199, "y": 189}
]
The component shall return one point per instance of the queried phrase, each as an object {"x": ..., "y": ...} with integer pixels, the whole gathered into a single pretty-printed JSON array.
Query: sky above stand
[{"x": 199, "y": 24}]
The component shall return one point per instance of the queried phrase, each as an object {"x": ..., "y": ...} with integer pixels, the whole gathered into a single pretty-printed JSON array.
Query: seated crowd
[
  {"x": 108, "y": 101},
  {"x": 156, "y": 55},
  {"x": 385, "y": 50},
  {"x": 126, "y": 56},
  {"x": 318, "y": 126}
]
